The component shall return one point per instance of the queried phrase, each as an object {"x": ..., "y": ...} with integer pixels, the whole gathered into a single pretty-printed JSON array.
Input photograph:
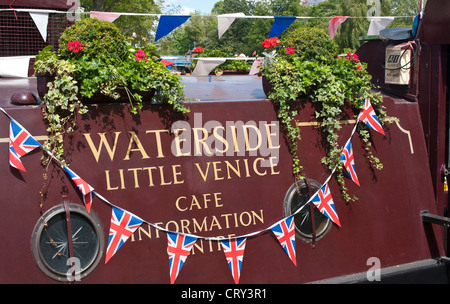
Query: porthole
[
  {"x": 297, "y": 196},
  {"x": 49, "y": 243}
]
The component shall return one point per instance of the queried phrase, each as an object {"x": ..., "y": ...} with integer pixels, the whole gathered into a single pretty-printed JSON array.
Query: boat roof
[{"x": 203, "y": 89}]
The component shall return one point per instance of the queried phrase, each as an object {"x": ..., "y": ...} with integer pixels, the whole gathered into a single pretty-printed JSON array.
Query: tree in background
[
  {"x": 141, "y": 25},
  {"x": 245, "y": 35}
]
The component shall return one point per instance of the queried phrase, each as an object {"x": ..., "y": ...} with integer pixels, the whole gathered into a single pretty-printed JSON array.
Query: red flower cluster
[
  {"x": 271, "y": 42},
  {"x": 351, "y": 56},
  {"x": 75, "y": 46},
  {"x": 139, "y": 55},
  {"x": 197, "y": 49},
  {"x": 290, "y": 50}
]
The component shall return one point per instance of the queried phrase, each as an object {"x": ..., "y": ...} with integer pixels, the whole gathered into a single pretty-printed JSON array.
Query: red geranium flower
[
  {"x": 75, "y": 46},
  {"x": 290, "y": 50},
  {"x": 139, "y": 55},
  {"x": 351, "y": 56},
  {"x": 270, "y": 42}
]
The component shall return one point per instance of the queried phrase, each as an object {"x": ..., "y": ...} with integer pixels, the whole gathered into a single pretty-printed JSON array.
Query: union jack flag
[
  {"x": 179, "y": 247},
  {"x": 348, "y": 160},
  {"x": 86, "y": 190},
  {"x": 20, "y": 143},
  {"x": 123, "y": 224},
  {"x": 284, "y": 230},
  {"x": 368, "y": 116},
  {"x": 324, "y": 202},
  {"x": 234, "y": 252}
]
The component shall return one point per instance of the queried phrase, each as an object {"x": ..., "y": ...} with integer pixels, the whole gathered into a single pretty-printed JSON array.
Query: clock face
[
  {"x": 51, "y": 248},
  {"x": 296, "y": 197}
]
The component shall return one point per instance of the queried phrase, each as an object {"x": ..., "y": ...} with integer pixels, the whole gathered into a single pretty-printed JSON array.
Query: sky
[{"x": 189, "y": 6}]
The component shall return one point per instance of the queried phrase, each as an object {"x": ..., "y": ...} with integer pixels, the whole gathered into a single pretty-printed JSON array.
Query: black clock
[
  {"x": 50, "y": 243},
  {"x": 296, "y": 197}
]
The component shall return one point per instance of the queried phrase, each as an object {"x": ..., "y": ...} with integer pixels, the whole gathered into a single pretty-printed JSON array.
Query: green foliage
[
  {"x": 332, "y": 84},
  {"x": 311, "y": 44},
  {"x": 101, "y": 63}
]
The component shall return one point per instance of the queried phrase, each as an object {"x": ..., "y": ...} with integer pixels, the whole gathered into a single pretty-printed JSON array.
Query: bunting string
[
  {"x": 167, "y": 23},
  {"x": 124, "y": 223}
]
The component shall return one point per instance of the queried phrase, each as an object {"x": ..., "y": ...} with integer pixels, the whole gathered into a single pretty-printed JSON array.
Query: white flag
[
  {"x": 224, "y": 21},
  {"x": 41, "y": 21},
  {"x": 378, "y": 24}
]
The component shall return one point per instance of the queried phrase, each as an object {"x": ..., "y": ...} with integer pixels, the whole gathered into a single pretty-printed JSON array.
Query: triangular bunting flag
[
  {"x": 179, "y": 247},
  {"x": 169, "y": 23},
  {"x": 334, "y": 23},
  {"x": 41, "y": 21},
  {"x": 86, "y": 190},
  {"x": 234, "y": 252},
  {"x": 206, "y": 65},
  {"x": 324, "y": 202},
  {"x": 348, "y": 160},
  {"x": 284, "y": 230},
  {"x": 368, "y": 116},
  {"x": 20, "y": 143},
  {"x": 281, "y": 23},
  {"x": 255, "y": 67},
  {"x": 123, "y": 224},
  {"x": 110, "y": 17},
  {"x": 378, "y": 24},
  {"x": 224, "y": 21}
]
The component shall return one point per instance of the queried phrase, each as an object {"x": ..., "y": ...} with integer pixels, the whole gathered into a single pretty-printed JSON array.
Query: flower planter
[
  {"x": 44, "y": 79},
  {"x": 267, "y": 86}
]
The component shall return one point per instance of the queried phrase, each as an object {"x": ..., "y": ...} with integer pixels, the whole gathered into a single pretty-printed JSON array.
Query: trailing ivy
[
  {"x": 307, "y": 68},
  {"x": 94, "y": 58}
]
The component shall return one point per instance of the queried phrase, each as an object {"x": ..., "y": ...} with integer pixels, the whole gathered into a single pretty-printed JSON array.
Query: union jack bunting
[
  {"x": 234, "y": 252},
  {"x": 324, "y": 202},
  {"x": 179, "y": 247},
  {"x": 123, "y": 224},
  {"x": 349, "y": 162},
  {"x": 284, "y": 230},
  {"x": 20, "y": 143},
  {"x": 368, "y": 116},
  {"x": 86, "y": 190}
]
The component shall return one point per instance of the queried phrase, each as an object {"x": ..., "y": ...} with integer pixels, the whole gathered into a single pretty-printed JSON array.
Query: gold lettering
[
  {"x": 158, "y": 140},
  {"x": 178, "y": 141},
  {"x": 272, "y": 165},
  {"x": 161, "y": 171},
  {"x": 140, "y": 148},
  {"x": 236, "y": 170},
  {"x": 197, "y": 226},
  {"x": 216, "y": 170},
  {"x": 136, "y": 182},
  {"x": 221, "y": 139},
  {"x": 194, "y": 202},
  {"x": 108, "y": 183},
  {"x": 217, "y": 199},
  {"x": 175, "y": 174},
  {"x": 150, "y": 175},
  {"x": 177, "y": 203},
  {"x": 256, "y": 169},
  {"x": 185, "y": 226},
  {"x": 233, "y": 130},
  {"x": 269, "y": 136},
  {"x": 215, "y": 223},
  {"x": 199, "y": 141},
  {"x": 246, "y": 136},
  {"x": 204, "y": 175},
  {"x": 103, "y": 142}
]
